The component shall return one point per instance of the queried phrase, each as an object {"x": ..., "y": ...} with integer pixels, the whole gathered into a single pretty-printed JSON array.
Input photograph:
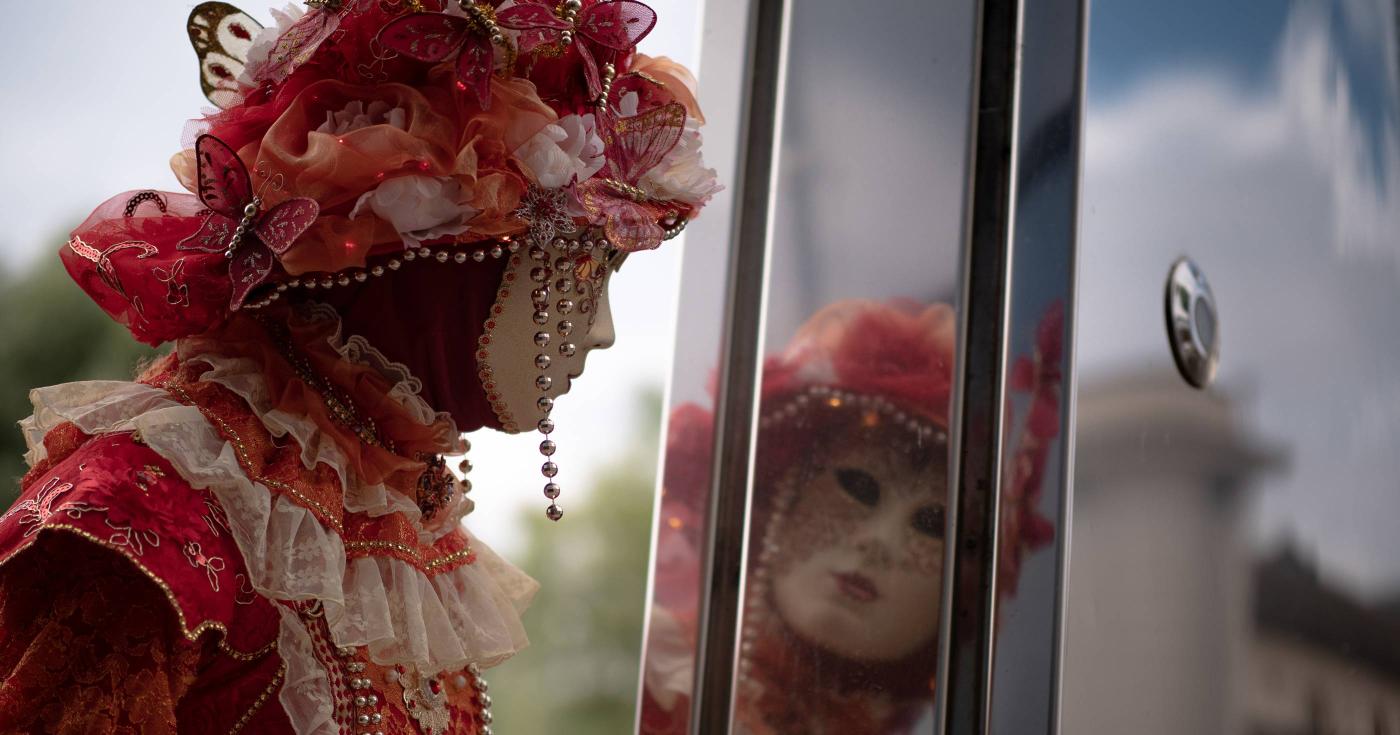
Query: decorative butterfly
[
  {"x": 615, "y": 25},
  {"x": 236, "y": 225},
  {"x": 299, "y": 42},
  {"x": 634, "y": 145},
  {"x": 221, "y": 35},
  {"x": 435, "y": 37}
]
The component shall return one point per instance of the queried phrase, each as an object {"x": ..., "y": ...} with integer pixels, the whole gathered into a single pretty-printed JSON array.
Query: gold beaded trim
[
  {"x": 258, "y": 703},
  {"x": 341, "y": 406},
  {"x": 244, "y": 461},
  {"x": 234, "y": 653},
  {"x": 496, "y": 250},
  {"x": 191, "y": 634},
  {"x": 416, "y": 555},
  {"x": 875, "y": 409},
  {"x": 483, "y": 351}
]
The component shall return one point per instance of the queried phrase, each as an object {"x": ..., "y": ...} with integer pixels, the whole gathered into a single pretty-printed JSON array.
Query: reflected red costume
[
  {"x": 260, "y": 534},
  {"x": 854, "y": 370}
]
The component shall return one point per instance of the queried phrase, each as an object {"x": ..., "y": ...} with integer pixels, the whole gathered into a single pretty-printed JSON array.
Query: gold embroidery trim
[
  {"x": 417, "y": 556},
  {"x": 243, "y": 460},
  {"x": 234, "y": 653},
  {"x": 258, "y": 703},
  {"x": 191, "y": 634},
  {"x": 241, "y": 450}
]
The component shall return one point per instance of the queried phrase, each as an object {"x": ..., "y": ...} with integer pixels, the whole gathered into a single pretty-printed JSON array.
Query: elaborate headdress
[{"x": 362, "y": 134}]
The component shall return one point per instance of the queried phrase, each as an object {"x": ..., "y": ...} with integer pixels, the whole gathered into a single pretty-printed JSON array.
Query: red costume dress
[{"x": 185, "y": 551}]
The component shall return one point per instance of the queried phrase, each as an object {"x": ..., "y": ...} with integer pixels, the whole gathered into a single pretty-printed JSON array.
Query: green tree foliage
[
  {"x": 580, "y": 673},
  {"x": 50, "y": 332}
]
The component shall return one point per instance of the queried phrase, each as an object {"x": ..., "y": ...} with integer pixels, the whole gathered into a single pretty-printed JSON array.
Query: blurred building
[
  {"x": 1215, "y": 638},
  {"x": 1322, "y": 661},
  {"x": 1158, "y": 613}
]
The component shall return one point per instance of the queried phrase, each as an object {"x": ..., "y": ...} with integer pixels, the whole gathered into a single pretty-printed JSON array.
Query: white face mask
[
  {"x": 578, "y": 321},
  {"x": 859, "y": 566}
]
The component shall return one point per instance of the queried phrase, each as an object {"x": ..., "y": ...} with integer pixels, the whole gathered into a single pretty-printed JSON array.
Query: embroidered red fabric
[
  {"x": 124, "y": 605},
  {"x": 124, "y": 257}
]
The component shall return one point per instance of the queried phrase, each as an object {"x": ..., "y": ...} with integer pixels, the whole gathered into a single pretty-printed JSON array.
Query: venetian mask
[
  {"x": 859, "y": 533},
  {"x": 551, "y": 311}
]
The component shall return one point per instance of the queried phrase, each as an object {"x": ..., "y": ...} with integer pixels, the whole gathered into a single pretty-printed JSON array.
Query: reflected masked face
[
  {"x": 859, "y": 565},
  {"x": 576, "y": 319}
]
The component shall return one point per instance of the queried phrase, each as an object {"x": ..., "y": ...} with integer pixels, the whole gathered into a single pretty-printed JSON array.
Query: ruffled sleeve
[{"x": 88, "y": 644}]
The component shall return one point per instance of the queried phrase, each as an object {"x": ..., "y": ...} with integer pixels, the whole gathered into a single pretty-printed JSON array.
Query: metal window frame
[
  {"x": 1020, "y": 156},
  {"x": 726, "y": 539}
]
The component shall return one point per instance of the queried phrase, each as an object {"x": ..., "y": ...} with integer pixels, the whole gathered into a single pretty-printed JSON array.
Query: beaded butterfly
[
  {"x": 617, "y": 25},
  {"x": 634, "y": 145},
  {"x": 436, "y": 37},
  {"x": 299, "y": 42},
  {"x": 236, "y": 224}
]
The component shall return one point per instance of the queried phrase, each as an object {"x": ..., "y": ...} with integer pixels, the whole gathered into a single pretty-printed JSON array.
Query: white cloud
[{"x": 1287, "y": 192}]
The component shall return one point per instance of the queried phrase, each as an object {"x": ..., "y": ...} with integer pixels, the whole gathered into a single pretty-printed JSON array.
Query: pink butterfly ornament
[
  {"x": 235, "y": 224},
  {"x": 634, "y": 145},
  {"x": 436, "y": 37}
]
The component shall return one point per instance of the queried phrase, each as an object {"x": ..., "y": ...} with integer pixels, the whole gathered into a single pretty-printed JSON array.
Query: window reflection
[
  {"x": 850, "y": 493},
  {"x": 1235, "y": 561},
  {"x": 845, "y": 536}
]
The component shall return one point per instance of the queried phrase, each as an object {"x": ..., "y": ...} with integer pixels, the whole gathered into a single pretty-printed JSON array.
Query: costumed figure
[
  {"x": 402, "y": 224},
  {"x": 845, "y": 572}
]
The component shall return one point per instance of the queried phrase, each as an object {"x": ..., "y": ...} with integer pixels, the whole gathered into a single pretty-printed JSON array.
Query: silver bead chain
[
  {"x": 483, "y": 699},
  {"x": 541, "y": 275}
]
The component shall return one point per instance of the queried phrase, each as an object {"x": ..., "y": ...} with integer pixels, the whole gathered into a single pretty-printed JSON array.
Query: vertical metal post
[
  {"x": 726, "y": 534},
  {"x": 970, "y": 563},
  {"x": 1019, "y": 268}
]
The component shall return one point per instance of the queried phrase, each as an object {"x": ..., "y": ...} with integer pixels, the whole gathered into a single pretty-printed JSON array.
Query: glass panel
[
  {"x": 669, "y": 647},
  {"x": 1234, "y": 563},
  {"x": 841, "y": 607},
  {"x": 850, "y": 478}
]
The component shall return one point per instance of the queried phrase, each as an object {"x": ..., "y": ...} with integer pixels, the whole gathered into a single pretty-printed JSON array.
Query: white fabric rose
[
  {"x": 266, "y": 39},
  {"x": 563, "y": 150},
  {"x": 681, "y": 176},
  {"x": 419, "y": 207},
  {"x": 355, "y": 115}
]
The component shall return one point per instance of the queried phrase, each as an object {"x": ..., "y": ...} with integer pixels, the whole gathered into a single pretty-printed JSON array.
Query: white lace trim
[
  {"x": 468, "y": 615},
  {"x": 306, "y": 694},
  {"x": 243, "y": 377}
]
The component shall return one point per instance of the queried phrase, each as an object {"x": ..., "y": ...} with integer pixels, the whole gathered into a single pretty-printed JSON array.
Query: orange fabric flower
[{"x": 336, "y": 168}]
